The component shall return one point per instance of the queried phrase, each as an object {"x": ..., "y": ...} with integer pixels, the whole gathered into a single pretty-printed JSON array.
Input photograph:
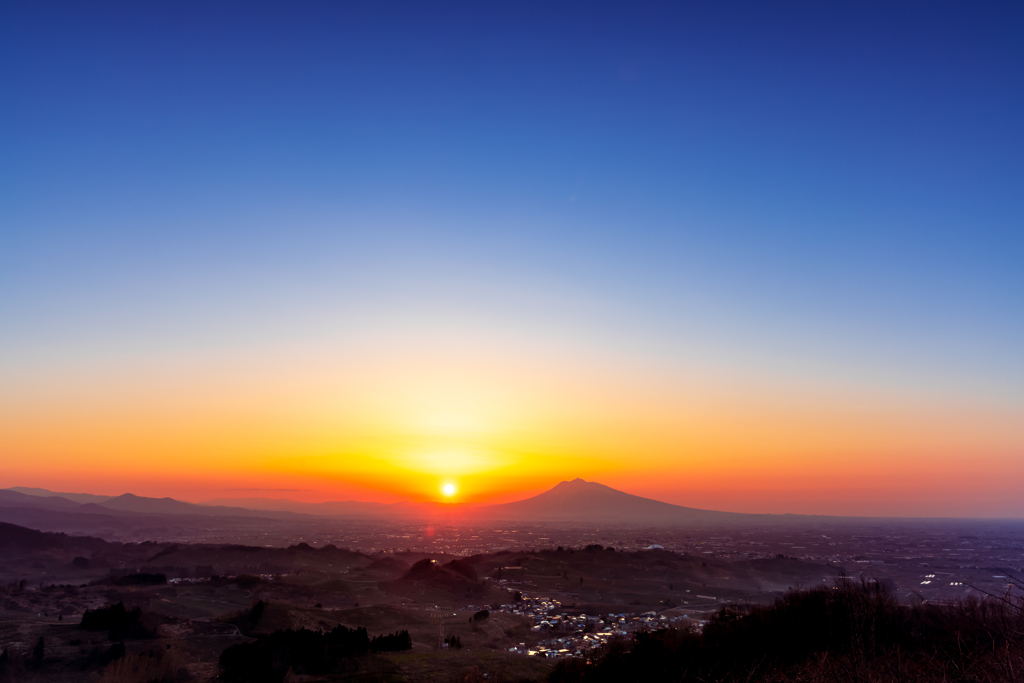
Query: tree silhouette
[{"x": 38, "y": 651}]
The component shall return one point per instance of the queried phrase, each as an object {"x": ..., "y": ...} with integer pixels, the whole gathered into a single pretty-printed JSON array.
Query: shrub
[
  {"x": 395, "y": 642},
  {"x": 162, "y": 667},
  {"x": 248, "y": 581},
  {"x": 140, "y": 579},
  {"x": 464, "y": 568},
  {"x": 119, "y": 622},
  {"x": 270, "y": 658}
]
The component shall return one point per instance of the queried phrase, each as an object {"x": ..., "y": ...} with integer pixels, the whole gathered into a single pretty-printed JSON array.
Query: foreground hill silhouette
[
  {"x": 13, "y": 537},
  {"x": 84, "y": 609},
  {"x": 847, "y": 633}
]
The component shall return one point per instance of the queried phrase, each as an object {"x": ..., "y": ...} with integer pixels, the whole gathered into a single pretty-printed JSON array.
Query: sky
[{"x": 760, "y": 257}]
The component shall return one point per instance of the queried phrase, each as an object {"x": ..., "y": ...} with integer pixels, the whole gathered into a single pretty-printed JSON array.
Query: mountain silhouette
[
  {"x": 129, "y": 502},
  {"x": 576, "y": 501},
  {"x": 569, "y": 501},
  {"x": 13, "y": 498},
  {"x": 80, "y": 498},
  {"x": 127, "y": 514},
  {"x": 333, "y": 508},
  {"x": 588, "y": 501}
]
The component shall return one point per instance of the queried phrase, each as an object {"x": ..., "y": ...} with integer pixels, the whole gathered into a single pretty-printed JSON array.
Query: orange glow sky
[{"x": 389, "y": 422}]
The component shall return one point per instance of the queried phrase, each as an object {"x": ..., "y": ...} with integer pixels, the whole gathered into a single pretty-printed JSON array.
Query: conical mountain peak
[{"x": 579, "y": 500}]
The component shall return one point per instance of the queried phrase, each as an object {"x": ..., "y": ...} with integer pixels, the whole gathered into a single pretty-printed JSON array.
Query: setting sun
[{"x": 449, "y": 489}]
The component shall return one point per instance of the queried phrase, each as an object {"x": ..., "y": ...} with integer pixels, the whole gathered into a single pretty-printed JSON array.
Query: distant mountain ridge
[
  {"x": 332, "y": 508},
  {"x": 576, "y": 501},
  {"x": 76, "y": 497},
  {"x": 126, "y": 502}
]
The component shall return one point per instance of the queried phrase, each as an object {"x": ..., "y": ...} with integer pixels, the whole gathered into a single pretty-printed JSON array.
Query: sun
[{"x": 448, "y": 489}]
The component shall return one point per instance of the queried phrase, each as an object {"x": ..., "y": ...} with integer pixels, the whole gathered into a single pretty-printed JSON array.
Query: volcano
[{"x": 588, "y": 501}]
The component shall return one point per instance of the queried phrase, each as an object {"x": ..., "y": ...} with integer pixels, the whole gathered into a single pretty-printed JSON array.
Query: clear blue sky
[{"x": 833, "y": 190}]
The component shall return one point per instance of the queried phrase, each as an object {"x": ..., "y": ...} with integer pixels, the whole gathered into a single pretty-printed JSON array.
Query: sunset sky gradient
[{"x": 760, "y": 257}]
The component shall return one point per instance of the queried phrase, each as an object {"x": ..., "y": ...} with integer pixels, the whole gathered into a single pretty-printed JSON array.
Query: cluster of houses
[{"x": 575, "y": 634}]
